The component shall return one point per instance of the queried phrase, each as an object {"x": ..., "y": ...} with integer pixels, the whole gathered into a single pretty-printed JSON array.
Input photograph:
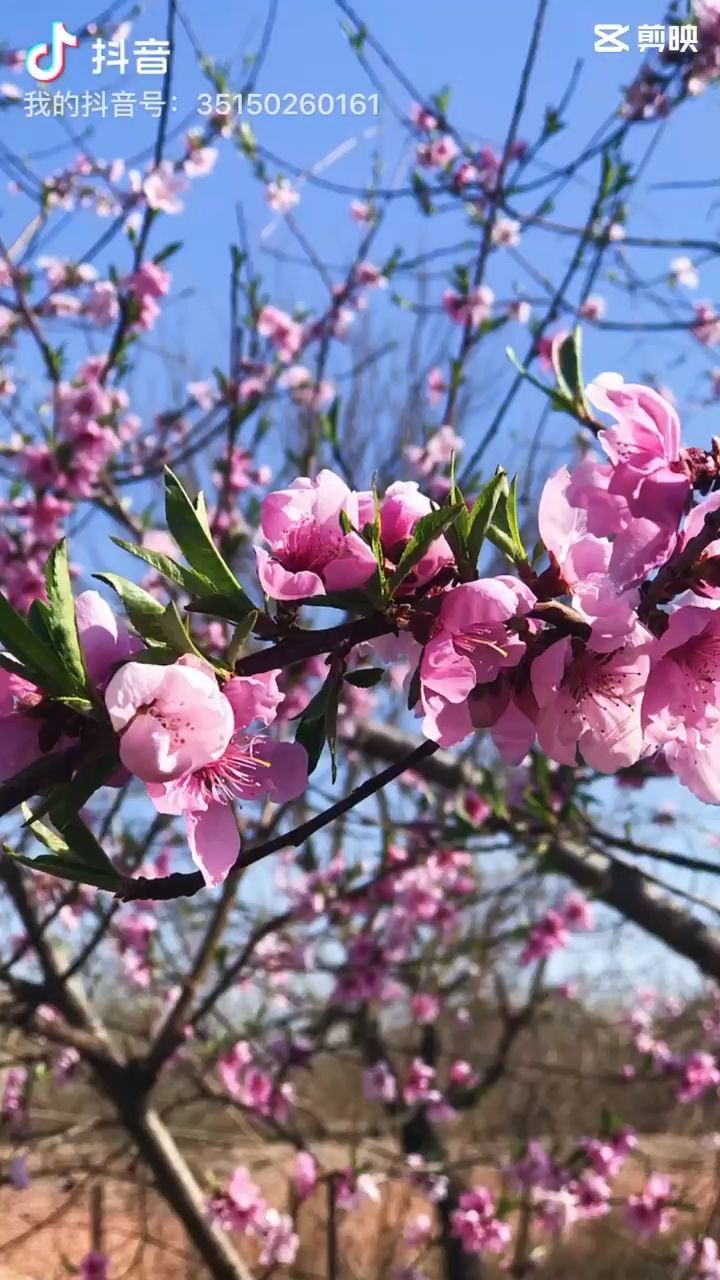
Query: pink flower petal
[{"x": 214, "y": 841}]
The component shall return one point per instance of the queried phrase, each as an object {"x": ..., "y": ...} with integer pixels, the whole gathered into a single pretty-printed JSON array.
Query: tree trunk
[{"x": 178, "y": 1188}]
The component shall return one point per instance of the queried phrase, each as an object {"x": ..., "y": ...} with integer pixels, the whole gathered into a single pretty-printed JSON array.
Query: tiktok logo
[{"x": 60, "y": 40}]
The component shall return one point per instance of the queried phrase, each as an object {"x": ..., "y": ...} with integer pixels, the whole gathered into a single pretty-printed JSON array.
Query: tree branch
[
  {"x": 609, "y": 879},
  {"x": 186, "y": 884}
]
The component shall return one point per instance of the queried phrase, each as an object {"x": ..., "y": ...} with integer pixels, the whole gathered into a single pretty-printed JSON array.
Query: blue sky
[{"x": 462, "y": 44}]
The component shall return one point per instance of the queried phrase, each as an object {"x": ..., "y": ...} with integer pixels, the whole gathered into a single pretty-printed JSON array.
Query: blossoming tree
[{"x": 304, "y": 776}]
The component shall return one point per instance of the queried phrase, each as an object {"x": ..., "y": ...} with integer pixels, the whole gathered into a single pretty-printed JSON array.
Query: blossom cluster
[
  {"x": 637, "y": 672},
  {"x": 242, "y": 1208},
  {"x": 610, "y": 653}
]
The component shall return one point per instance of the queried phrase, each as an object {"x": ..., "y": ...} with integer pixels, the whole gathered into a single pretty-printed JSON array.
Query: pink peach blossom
[
  {"x": 684, "y": 272},
  {"x": 423, "y": 119},
  {"x": 183, "y": 737},
  {"x": 281, "y": 196},
  {"x": 471, "y": 309},
  {"x": 95, "y": 1266},
  {"x": 438, "y": 154},
  {"x": 308, "y": 552},
  {"x": 305, "y": 1174},
  {"x": 401, "y": 508},
  {"x": 282, "y": 331},
  {"x": 650, "y": 1212},
  {"x": 593, "y": 308},
  {"x": 437, "y": 452},
  {"x": 102, "y": 305},
  {"x": 476, "y": 1224},
  {"x": 379, "y": 1083},
  {"x": 699, "y": 1260},
  {"x": 424, "y": 1007},
  {"x": 105, "y": 642},
  {"x": 368, "y": 274},
  {"x": 361, "y": 211},
  {"x": 506, "y": 233},
  {"x": 200, "y": 161},
  {"x": 471, "y": 645},
  {"x": 163, "y": 187},
  {"x": 171, "y": 719},
  {"x": 706, "y": 326},
  {"x": 590, "y": 701},
  {"x": 684, "y": 682},
  {"x": 436, "y": 385}
]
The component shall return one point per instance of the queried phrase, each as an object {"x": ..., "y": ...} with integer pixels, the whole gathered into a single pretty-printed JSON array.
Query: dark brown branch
[
  {"x": 680, "y": 564},
  {"x": 610, "y": 880},
  {"x": 186, "y": 884},
  {"x": 126, "y": 1085},
  {"x": 308, "y": 644},
  {"x": 38, "y": 776}
]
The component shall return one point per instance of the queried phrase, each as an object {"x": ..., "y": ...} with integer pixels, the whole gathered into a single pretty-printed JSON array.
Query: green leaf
[
  {"x": 457, "y": 533},
  {"x": 311, "y": 735},
  {"x": 64, "y": 801},
  {"x": 83, "y": 706},
  {"x": 168, "y": 251},
  {"x": 238, "y": 258},
  {"x": 373, "y": 534},
  {"x": 552, "y": 123},
  {"x": 315, "y": 709},
  {"x": 176, "y": 633},
  {"x": 365, "y": 677},
  {"x": 246, "y": 138},
  {"x": 611, "y": 1122},
  {"x": 38, "y": 617},
  {"x": 194, "y": 583},
  {"x": 201, "y": 512},
  {"x": 567, "y": 362},
  {"x": 457, "y": 540},
  {"x": 356, "y": 35},
  {"x": 330, "y": 719},
  {"x": 318, "y": 722},
  {"x": 240, "y": 635},
  {"x": 608, "y": 175},
  {"x": 143, "y": 610},
  {"x": 222, "y": 605},
  {"x": 504, "y": 531},
  {"x": 422, "y": 191},
  {"x": 329, "y": 422},
  {"x": 414, "y": 688},
  {"x": 511, "y": 514},
  {"x": 67, "y": 869},
  {"x": 558, "y": 401},
  {"x": 84, "y": 847},
  {"x": 15, "y": 668},
  {"x": 441, "y": 100},
  {"x": 481, "y": 516},
  {"x": 37, "y": 657},
  {"x": 427, "y": 529},
  {"x": 160, "y": 655},
  {"x": 364, "y": 602},
  {"x": 50, "y": 839},
  {"x": 188, "y": 525}
]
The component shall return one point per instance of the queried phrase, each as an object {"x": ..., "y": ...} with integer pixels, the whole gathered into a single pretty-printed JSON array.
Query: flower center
[
  {"x": 478, "y": 637},
  {"x": 235, "y": 774},
  {"x": 700, "y": 659},
  {"x": 305, "y": 549},
  {"x": 587, "y": 676}
]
